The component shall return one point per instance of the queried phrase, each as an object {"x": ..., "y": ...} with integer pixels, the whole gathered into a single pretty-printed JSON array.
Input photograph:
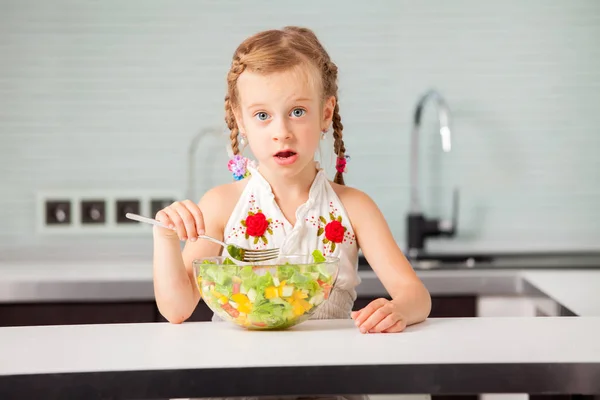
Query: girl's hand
[
  {"x": 184, "y": 218},
  {"x": 380, "y": 315}
]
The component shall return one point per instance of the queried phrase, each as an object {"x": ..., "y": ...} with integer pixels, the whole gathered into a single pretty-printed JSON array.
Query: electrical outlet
[
  {"x": 100, "y": 211},
  {"x": 58, "y": 212},
  {"x": 158, "y": 204},
  {"x": 93, "y": 211},
  {"x": 124, "y": 206}
]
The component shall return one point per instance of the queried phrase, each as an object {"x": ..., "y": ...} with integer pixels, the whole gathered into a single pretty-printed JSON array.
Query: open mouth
[{"x": 285, "y": 154}]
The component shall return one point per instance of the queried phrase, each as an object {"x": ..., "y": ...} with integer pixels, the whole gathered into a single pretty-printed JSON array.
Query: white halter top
[{"x": 322, "y": 223}]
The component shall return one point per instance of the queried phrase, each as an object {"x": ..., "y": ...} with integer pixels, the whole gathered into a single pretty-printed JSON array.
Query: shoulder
[
  {"x": 358, "y": 204},
  {"x": 370, "y": 226},
  {"x": 353, "y": 200},
  {"x": 218, "y": 203}
]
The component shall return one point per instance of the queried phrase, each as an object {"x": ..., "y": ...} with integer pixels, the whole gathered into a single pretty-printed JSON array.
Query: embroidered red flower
[
  {"x": 334, "y": 231},
  {"x": 256, "y": 225}
]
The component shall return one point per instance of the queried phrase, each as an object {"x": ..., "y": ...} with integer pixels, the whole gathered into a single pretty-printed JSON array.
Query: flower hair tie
[
  {"x": 340, "y": 165},
  {"x": 238, "y": 165}
]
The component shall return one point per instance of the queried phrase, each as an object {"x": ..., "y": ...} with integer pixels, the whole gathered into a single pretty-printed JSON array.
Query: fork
[{"x": 236, "y": 252}]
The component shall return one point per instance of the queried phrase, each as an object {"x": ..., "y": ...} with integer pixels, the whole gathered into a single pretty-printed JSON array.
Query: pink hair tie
[{"x": 340, "y": 166}]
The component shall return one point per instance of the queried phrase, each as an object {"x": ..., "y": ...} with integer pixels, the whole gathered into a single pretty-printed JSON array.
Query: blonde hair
[{"x": 279, "y": 50}]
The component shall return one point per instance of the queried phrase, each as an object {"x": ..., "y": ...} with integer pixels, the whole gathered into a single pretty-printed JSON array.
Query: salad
[{"x": 273, "y": 297}]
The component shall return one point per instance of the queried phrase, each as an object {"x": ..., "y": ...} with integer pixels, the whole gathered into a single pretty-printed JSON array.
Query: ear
[{"x": 328, "y": 107}]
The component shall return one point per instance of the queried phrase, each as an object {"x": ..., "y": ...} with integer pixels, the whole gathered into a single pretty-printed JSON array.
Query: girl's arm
[
  {"x": 411, "y": 302},
  {"x": 175, "y": 287}
]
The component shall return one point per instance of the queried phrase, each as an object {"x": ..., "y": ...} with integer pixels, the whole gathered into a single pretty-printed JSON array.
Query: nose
[{"x": 281, "y": 131}]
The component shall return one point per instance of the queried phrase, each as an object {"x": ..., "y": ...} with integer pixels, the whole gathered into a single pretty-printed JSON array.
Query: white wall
[{"x": 106, "y": 95}]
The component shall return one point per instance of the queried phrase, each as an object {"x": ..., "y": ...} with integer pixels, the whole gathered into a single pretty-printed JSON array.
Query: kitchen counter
[
  {"x": 578, "y": 290},
  {"x": 551, "y": 355}
]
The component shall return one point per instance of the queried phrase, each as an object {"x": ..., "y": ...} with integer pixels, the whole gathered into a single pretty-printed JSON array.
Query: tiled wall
[{"x": 107, "y": 95}]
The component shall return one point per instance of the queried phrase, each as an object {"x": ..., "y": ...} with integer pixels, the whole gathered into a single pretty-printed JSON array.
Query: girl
[{"x": 281, "y": 100}]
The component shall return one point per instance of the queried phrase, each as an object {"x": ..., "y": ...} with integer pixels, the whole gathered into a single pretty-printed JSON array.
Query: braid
[
  {"x": 232, "y": 125},
  {"x": 338, "y": 143},
  {"x": 330, "y": 87},
  {"x": 237, "y": 67}
]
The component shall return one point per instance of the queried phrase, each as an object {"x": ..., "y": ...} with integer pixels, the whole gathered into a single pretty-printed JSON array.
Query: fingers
[
  {"x": 379, "y": 316},
  {"x": 197, "y": 214},
  {"x": 177, "y": 222},
  {"x": 375, "y": 318},
  {"x": 397, "y": 327},
  {"x": 363, "y": 314},
  {"x": 388, "y": 324},
  {"x": 162, "y": 216},
  {"x": 185, "y": 218}
]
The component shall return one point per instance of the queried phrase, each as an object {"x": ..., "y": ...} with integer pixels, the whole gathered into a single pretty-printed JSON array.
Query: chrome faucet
[
  {"x": 191, "y": 190},
  {"x": 419, "y": 227}
]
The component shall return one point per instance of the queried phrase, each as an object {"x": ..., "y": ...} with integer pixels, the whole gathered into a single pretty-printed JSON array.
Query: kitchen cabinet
[
  {"x": 441, "y": 306},
  {"x": 36, "y": 314},
  {"x": 201, "y": 313},
  {"x": 31, "y": 314},
  {"x": 70, "y": 313}
]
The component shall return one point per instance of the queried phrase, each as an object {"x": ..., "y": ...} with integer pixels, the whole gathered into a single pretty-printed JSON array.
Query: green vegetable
[
  {"x": 318, "y": 256},
  {"x": 273, "y": 297}
]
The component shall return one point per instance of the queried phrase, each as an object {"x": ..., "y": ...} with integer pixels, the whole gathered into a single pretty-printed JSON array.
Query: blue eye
[
  {"x": 262, "y": 116},
  {"x": 298, "y": 112}
]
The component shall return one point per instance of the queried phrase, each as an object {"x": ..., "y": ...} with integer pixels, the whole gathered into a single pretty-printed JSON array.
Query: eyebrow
[{"x": 262, "y": 105}]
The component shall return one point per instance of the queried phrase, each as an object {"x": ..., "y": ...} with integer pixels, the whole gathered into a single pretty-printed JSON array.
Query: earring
[
  {"x": 243, "y": 141},
  {"x": 323, "y": 134}
]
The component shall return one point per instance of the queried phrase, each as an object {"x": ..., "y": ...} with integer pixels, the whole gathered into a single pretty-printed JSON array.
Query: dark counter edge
[{"x": 532, "y": 378}]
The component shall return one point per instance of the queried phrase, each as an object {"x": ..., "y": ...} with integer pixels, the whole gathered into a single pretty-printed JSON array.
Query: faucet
[
  {"x": 418, "y": 226},
  {"x": 191, "y": 190}
]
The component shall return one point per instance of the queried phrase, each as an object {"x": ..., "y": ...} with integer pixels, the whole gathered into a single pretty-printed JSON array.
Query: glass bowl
[{"x": 275, "y": 294}]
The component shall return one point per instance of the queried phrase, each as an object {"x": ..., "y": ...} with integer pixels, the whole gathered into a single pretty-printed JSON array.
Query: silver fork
[{"x": 236, "y": 252}]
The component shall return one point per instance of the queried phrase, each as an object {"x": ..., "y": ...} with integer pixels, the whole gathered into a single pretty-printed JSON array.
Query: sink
[
  {"x": 453, "y": 258},
  {"x": 448, "y": 260},
  {"x": 432, "y": 260}
]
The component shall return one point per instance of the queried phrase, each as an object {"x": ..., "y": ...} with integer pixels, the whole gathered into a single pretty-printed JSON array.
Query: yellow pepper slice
[
  {"x": 298, "y": 309},
  {"x": 240, "y": 298},
  {"x": 245, "y": 308},
  {"x": 271, "y": 292}
]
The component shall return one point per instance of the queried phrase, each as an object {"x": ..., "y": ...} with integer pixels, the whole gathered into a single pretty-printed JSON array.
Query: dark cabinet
[
  {"x": 441, "y": 306},
  {"x": 65, "y": 313},
  {"x": 31, "y": 314},
  {"x": 36, "y": 314},
  {"x": 201, "y": 314}
]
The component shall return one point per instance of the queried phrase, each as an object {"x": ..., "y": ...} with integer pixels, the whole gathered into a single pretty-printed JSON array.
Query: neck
[{"x": 291, "y": 186}]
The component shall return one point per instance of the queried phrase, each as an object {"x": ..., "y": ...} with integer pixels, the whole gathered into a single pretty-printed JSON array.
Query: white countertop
[
  {"x": 22, "y": 281},
  {"x": 579, "y": 290},
  {"x": 208, "y": 345}
]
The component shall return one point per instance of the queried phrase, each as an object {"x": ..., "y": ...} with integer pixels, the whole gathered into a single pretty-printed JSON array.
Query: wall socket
[
  {"x": 93, "y": 211},
  {"x": 57, "y": 212},
  {"x": 125, "y": 206},
  {"x": 158, "y": 204},
  {"x": 98, "y": 211}
]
